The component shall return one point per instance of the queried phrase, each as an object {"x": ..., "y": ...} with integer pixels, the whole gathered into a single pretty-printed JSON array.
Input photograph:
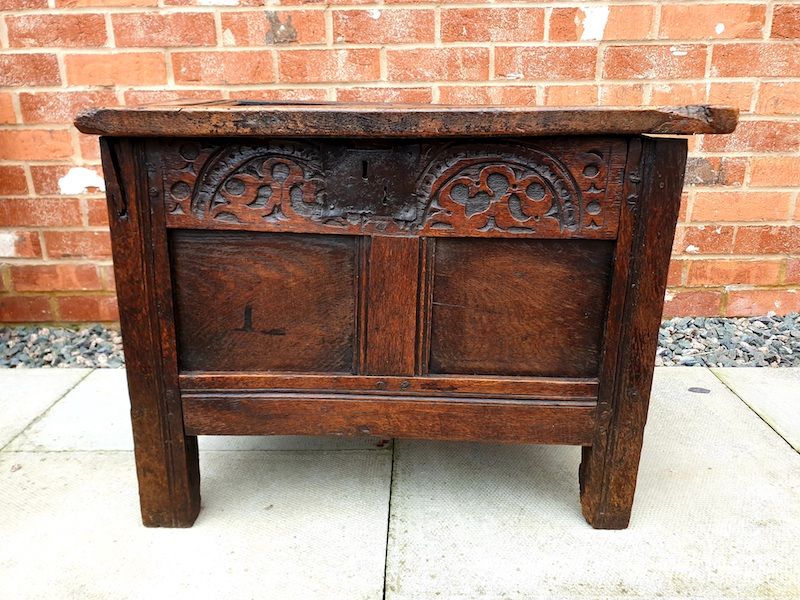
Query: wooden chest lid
[{"x": 300, "y": 119}]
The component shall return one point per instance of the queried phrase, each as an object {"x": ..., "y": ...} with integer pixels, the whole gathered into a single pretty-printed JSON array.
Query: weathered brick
[
  {"x": 251, "y": 66},
  {"x": 163, "y": 30},
  {"x": 676, "y": 272},
  {"x": 517, "y": 24},
  {"x": 624, "y": 22},
  {"x": 383, "y": 26},
  {"x": 394, "y": 94},
  {"x": 786, "y": 22},
  {"x": 104, "y": 3},
  {"x": 134, "y": 97},
  {"x": 715, "y": 170},
  {"x": 25, "y": 309},
  {"x": 358, "y": 64},
  {"x": 546, "y": 63},
  {"x": 701, "y": 21},
  {"x": 655, "y": 62},
  {"x": 680, "y": 303},
  {"x": 39, "y": 212},
  {"x": 570, "y": 95},
  {"x": 63, "y": 277},
  {"x": 755, "y": 60},
  {"x": 733, "y": 272},
  {"x": 20, "y": 244},
  {"x": 35, "y": 144},
  {"x": 12, "y": 181},
  {"x": 7, "y": 114},
  {"x": 96, "y": 212},
  {"x": 793, "y": 270},
  {"x": 88, "y": 308},
  {"x": 447, "y": 64},
  {"x": 62, "y": 31},
  {"x": 475, "y": 95},
  {"x": 745, "y": 303},
  {"x": 741, "y": 206},
  {"x": 775, "y": 170},
  {"x": 29, "y": 69},
  {"x": 667, "y": 94},
  {"x": 61, "y": 107},
  {"x": 621, "y": 94},
  {"x": 758, "y": 136},
  {"x": 768, "y": 239},
  {"x": 704, "y": 239},
  {"x": 281, "y": 94},
  {"x": 77, "y": 244},
  {"x": 265, "y": 28},
  {"x": 738, "y": 94},
  {"x": 129, "y": 68},
  {"x": 779, "y": 98}
]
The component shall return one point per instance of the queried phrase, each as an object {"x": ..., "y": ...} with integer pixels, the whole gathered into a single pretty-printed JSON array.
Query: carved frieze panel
[{"x": 555, "y": 188}]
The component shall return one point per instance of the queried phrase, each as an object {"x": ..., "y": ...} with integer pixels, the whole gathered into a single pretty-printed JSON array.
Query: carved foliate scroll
[{"x": 556, "y": 188}]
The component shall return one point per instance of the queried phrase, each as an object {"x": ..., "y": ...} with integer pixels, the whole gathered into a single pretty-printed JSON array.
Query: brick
[
  {"x": 45, "y": 178},
  {"x": 793, "y": 270},
  {"x": 448, "y": 64},
  {"x": 35, "y": 144},
  {"x": 7, "y": 114},
  {"x": 20, "y": 244},
  {"x": 621, "y": 94},
  {"x": 88, "y": 308},
  {"x": 163, "y": 30},
  {"x": 134, "y": 97},
  {"x": 546, "y": 63},
  {"x": 473, "y": 95},
  {"x": 692, "y": 303},
  {"x": 12, "y": 181},
  {"x": 733, "y": 272},
  {"x": 97, "y": 212},
  {"x": 755, "y": 60},
  {"x": 61, "y": 107},
  {"x": 104, "y": 3},
  {"x": 22, "y": 4},
  {"x": 239, "y": 3},
  {"x": 675, "y": 273},
  {"x": 46, "y": 278},
  {"x": 758, "y": 136},
  {"x": 738, "y": 94},
  {"x": 398, "y": 94},
  {"x": 677, "y": 93},
  {"x": 250, "y": 66},
  {"x": 683, "y": 209},
  {"x": 779, "y": 98},
  {"x": 107, "y": 274},
  {"x": 77, "y": 244},
  {"x": 741, "y": 206},
  {"x": 631, "y": 22},
  {"x": 72, "y": 31},
  {"x": 129, "y": 68},
  {"x": 768, "y": 239},
  {"x": 518, "y": 24},
  {"x": 25, "y": 309},
  {"x": 747, "y": 303},
  {"x": 786, "y": 22},
  {"x": 704, "y": 21},
  {"x": 28, "y": 69},
  {"x": 281, "y": 94},
  {"x": 715, "y": 170},
  {"x": 89, "y": 147},
  {"x": 570, "y": 95},
  {"x": 704, "y": 239},
  {"x": 313, "y": 66},
  {"x": 655, "y": 62},
  {"x": 264, "y": 28},
  {"x": 387, "y": 26},
  {"x": 39, "y": 212},
  {"x": 774, "y": 170}
]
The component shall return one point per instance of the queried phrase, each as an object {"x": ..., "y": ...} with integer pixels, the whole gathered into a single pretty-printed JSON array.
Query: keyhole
[{"x": 364, "y": 170}]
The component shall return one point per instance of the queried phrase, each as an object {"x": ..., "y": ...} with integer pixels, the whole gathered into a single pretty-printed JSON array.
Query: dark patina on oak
[{"x": 403, "y": 271}]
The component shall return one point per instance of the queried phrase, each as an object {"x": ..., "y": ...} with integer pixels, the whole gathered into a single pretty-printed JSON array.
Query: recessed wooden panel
[
  {"x": 519, "y": 307},
  {"x": 250, "y": 301}
]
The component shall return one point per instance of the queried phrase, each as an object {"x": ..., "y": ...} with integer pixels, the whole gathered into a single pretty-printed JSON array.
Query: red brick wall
[{"x": 737, "y": 250}]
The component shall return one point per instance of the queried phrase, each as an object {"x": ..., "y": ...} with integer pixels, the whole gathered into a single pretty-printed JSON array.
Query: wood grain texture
[
  {"x": 243, "y": 118},
  {"x": 549, "y": 388},
  {"x": 391, "y": 312},
  {"x": 521, "y": 307},
  {"x": 543, "y": 188},
  {"x": 166, "y": 458},
  {"x": 609, "y": 467},
  {"x": 280, "y": 302},
  {"x": 266, "y": 413}
]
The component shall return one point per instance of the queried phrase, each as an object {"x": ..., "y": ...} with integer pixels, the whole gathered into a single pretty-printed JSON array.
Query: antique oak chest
[{"x": 401, "y": 271}]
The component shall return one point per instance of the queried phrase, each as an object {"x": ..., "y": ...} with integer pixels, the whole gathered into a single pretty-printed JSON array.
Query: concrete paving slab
[
  {"x": 774, "y": 394},
  {"x": 283, "y": 525},
  {"x": 96, "y": 416},
  {"x": 27, "y": 393},
  {"x": 717, "y": 513}
]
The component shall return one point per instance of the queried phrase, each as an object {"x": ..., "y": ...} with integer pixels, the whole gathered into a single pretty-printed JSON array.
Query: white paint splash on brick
[
  {"x": 594, "y": 22},
  {"x": 228, "y": 39},
  {"x": 692, "y": 249},
  {"x": 677, "y": 51},
  {"x": 8, "y": 244},
  {"x": 374, "y": 13},
  {"x": 513, "y": 75},
  {"x": 79, "y": 180},
  {"x": 669, "y": 296},
  {"x": 719, "y": 28}
]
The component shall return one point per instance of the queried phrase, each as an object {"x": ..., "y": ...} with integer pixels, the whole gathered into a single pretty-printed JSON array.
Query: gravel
[{"x": 771, "y": 341}]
